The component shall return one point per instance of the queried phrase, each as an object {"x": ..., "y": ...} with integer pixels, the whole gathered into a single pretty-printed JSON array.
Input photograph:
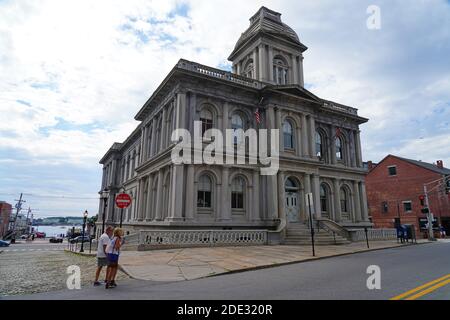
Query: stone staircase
[{"x": 300, "y": 234}]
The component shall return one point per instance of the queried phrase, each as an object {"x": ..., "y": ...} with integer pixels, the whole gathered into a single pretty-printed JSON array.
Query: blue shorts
[{"x": 113, "y": 259}]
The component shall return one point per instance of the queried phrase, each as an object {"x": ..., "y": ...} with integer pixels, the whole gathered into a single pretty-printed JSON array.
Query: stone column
[
  {"x": 352, "y": 150},
  {"x": 312, "y": 136},
  {"x": 316, "y": 195},
  {"x": 364, "y": 208},
  {"x": 281, "y": 195},
  {"x": 301, "y": 80},
  {"x": 180, "y": 118},
  {"x": 142, "y": 143},
  {"x": 225, "y": 205},
  {"x": 279, "y": 126},
  {"x": 159, "y": 196},
  {"x": 153, "y": 142},
  {"x": 256, "y": 199},
  {"x": 337, "y": 200},
  {"x": 358, "y": 149},
  {"x": 272, "y": 197},
  {"x": 225, "y": 109},
  {"x": 177, "y": 193},
  {"x": 164, "y": 130},
  {"x": 238, "y": 68},
  {"x": 294, "y": 77},
  {"x": 261, "y": 63},
  {"x": 333, "y": 144},
  {"x": 357, "y": 201},
  {"x": 304, "y": 137},
  {"x": 148, "y": 207},
  {"x": 270, "y": 64},
  {"x": 190, "y": 193},
  {"x": 255, "y": 64},
  {"x": 140, "y": 201}
]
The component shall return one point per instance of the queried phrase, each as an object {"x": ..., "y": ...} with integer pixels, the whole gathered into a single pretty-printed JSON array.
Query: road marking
[
  {"x": 424, "y": 287},
  {"x": 429, "y": 290}
]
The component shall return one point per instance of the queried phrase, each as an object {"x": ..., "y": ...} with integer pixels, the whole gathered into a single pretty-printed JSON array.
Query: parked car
[
  {"x": 4, "y": 243},
  {"x": 79, "y": 239},
  {"x": 40, "y": 234},
  {"x": 56, "y": 240}
]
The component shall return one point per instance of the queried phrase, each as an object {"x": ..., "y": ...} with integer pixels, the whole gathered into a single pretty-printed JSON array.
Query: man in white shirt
[{"x": 101, "y": 252}]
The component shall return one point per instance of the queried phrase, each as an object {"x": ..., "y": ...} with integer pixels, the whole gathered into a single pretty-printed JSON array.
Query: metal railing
[
  {"x": 373, "y": 234},
  {"x": 220, "y": 74}
]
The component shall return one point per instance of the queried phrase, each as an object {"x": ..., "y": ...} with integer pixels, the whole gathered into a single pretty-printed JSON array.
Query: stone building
[{"x": 320, "y": 147}]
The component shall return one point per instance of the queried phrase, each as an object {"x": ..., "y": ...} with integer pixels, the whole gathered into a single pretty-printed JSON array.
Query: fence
[{"x": 373, "y": 234}]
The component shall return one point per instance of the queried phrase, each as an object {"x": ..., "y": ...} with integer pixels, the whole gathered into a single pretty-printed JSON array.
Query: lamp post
[
  {"x": 105, "y": 194},
  {"x": 85, "y": 214}
]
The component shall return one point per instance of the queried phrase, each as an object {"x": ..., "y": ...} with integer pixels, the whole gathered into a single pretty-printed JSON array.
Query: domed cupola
[{"x": 269, "y": 51}]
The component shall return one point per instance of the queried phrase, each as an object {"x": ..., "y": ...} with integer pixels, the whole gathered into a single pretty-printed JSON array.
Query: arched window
[
  {"x": 339, "y": 150},
  {"x": 344, "y": 201},
  {"x": 249, "y": 70},
  {"x": 237, "y": 123},
  {"x": 288, "y": 134},
  {"x": 237, "y": 193},
  {"x": 280, "y": 71},
  {"x": 319, "y": 145},
  {"x": 206, "y": 119},
  {"x": 204, "y": 193},
  {"x": 324, "y": 195}
]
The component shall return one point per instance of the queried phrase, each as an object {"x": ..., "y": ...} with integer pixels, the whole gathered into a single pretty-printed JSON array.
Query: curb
[{"x": 81, "y": 253}]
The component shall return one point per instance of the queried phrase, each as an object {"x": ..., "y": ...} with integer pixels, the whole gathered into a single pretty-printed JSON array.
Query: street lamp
[
  {"x": 85, "y": 214},
  {"x": 104, "y": 196}
]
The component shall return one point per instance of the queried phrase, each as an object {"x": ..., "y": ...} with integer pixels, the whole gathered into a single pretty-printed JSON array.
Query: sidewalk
[{"x": 194, "y": 263}]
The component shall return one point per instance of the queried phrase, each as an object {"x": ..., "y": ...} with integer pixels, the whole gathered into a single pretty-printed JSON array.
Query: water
[{"x": 52, "y": 231}]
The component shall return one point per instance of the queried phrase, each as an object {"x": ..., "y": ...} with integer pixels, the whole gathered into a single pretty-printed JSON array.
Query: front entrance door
[{"x": 292, "y": 207}]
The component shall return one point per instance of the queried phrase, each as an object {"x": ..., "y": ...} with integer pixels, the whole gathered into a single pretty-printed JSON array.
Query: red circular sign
[{"x": 123, "y": 200}]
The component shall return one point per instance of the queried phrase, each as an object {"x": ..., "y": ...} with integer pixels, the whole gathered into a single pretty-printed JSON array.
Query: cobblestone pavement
[{"x": 33, "y": 271}]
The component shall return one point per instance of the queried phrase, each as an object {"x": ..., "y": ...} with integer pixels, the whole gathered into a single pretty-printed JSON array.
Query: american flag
[{"x": 257, "y": 116}]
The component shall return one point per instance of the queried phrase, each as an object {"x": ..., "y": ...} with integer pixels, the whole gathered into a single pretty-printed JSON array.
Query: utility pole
[
  {"x": 18, "y": 208},
  {"x": 429, "y": 215}
]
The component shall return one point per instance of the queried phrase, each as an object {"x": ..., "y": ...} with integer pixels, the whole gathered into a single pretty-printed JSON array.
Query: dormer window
[{"x": 280, "y": 71}]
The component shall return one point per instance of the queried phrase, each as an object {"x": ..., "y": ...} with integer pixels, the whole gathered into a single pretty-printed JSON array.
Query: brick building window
[
  {"x": 407, "y": 206},
  {"x": 384, "y": 207},
  {"x": 392, "y": 171}
]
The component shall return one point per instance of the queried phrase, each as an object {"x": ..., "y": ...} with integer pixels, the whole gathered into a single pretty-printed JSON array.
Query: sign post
[
  {"x": 123, "y": 200},
  {"x": 309, "y": 200}
]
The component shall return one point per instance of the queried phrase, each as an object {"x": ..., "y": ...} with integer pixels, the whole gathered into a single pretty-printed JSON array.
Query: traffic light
[
  {"x": 422, "y": 200},
  {"x": 425, "y": 210}
]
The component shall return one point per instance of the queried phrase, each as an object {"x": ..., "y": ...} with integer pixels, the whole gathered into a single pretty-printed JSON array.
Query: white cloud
[{"x": 74, "y": 73}]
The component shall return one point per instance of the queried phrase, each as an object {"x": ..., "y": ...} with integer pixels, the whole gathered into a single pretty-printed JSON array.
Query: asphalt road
[{"x": 344, "y": 277}]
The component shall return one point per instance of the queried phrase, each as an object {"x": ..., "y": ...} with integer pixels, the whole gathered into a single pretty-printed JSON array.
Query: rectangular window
[
  {"x": 384, "y": 207},
  {"x": 237, "y": 200},
  {"x": 343, "y": 205},
  {"x": 392, "y": 171},
  {"x": 204, "y": 199},
  {"x": 206, "y": 125},
  {"x": 407, "y": 206}
]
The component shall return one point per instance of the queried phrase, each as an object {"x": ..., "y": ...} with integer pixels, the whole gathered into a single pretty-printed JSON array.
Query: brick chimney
[
  {"x": 440, "y": 164},
  {"x": 370, "y": 165}
]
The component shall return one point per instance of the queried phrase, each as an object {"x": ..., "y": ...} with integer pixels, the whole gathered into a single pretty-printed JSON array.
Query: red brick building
[
  {"x": 5, "y": 212},
  {"x": 394, "y": 187}
]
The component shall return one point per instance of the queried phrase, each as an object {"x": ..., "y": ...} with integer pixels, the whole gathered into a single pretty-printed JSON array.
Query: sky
[{"x": 73, "y": 74}]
